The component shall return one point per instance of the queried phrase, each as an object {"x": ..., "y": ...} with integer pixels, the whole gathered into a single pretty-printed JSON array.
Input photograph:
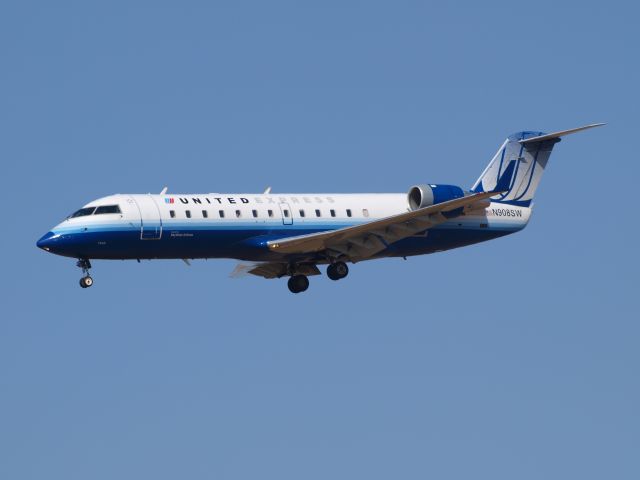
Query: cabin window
[
  {"x": 270, "y": 213},
  {"x": 302, "y": 213},
  {"x": 255, "y": 213},
  {"x": 107, "y": 209},
  {"x": 286, "y": 213},
  {"x": 365, "y": 212},
  {"x": 83, "y": 212},
  {"x": 238, "y": 213},
  {"x": 205, "y": 214},
  {"x": 348, "y": 212},
  {"x": 221, "y": 213},
  {"x": 172, "y": 213},
  {"x": 188, "y": 213},
  {"x": 318, "y": 213},
  {"x": 333, "y": 212}
]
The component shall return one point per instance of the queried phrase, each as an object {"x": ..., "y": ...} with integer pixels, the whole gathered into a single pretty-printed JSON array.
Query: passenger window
[
  {"x": 83, "y": 212},
  {"x": 238, "y": 213},
  {"x": 172, "y": 213},
  {"x": 317, "y": 212},
  {"x": 348, "y": 212},
  {"x": 205, "y": 214},
  {"x": 107, "y": 209},
  {"x": 188, "y": 213},
  {"x": 270, "y": 212},
  {"x": 333, "y": 212},
  {"x": 221, "y": 213},
  {"x": 255, "y": 213},
  {"x": 365, "y": 212},
  {"x": 302, "y": 213}
]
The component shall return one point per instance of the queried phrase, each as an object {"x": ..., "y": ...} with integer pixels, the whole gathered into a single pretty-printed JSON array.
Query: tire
[
  {"x": 86, "y": 282},
  {"x": 331, "y": 272},
  {"x": 337, "y": 270},
  {"x": 298, "y": 283},
  {"x": 341, "y": 269}
]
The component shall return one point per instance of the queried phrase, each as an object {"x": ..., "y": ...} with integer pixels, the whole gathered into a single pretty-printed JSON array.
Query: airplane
[{"x": 290, "y": 235}]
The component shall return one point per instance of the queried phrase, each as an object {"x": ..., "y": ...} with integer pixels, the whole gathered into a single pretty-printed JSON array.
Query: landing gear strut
[
  {"x": 298, "y": 283},
  {"x": 337, "y": 270},
  {"x": 85, "y": 265}
]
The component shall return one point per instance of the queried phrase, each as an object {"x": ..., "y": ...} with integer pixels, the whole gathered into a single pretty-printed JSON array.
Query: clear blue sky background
[{"x": 517, "y": 358}]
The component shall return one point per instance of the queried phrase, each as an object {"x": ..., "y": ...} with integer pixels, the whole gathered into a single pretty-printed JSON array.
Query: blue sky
[{"x": 517, "y": 358}]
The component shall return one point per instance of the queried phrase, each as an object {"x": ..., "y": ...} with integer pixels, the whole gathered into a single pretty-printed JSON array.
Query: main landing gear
[
  {"x": 85, "y": 265},
  {"x": 337, "y": 270},
  {"x": 298, "y": 283}
]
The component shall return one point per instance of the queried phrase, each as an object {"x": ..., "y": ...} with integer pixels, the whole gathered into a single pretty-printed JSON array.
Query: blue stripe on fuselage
[{"x": 233, "y": 240}]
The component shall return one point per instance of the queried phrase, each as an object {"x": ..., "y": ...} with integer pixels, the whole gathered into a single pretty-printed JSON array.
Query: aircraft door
[
  {"x": 150, "y": 221},
  {"x": 287, "y": 215}
]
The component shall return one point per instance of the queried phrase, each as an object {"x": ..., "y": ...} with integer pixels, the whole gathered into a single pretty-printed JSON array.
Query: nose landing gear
[{"x": 85, "y": 265}]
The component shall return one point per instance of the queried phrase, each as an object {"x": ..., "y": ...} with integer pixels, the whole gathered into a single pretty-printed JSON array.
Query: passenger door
[
  {"x": 150, "y": 220},
  {"x": 287, "y": 215}
]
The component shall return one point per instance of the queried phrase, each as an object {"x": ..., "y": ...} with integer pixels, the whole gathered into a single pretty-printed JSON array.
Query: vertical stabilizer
[{"x": 517, "y": 167}]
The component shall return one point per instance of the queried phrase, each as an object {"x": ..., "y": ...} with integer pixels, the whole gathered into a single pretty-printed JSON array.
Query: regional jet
[{"x": 292, "y": 234}]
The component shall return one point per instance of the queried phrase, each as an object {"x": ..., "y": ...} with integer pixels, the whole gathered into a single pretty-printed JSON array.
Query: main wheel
[
  {"x": 86, "y": 282},
  {"x": 337, "y": 270},
  {"x": 298, "y": 283}
]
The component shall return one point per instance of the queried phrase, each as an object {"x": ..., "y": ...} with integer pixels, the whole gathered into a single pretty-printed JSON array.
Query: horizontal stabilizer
[{"x": 562, "y": 133}]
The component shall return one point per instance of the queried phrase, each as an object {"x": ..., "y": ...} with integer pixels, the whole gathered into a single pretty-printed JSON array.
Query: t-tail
[{"x": 517, "y": 168}]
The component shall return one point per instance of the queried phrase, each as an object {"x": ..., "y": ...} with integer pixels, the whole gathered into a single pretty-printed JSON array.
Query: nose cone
[{"x": 47, "y": 241}]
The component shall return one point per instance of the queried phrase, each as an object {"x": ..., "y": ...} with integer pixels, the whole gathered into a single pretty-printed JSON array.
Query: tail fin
[{"x": 518, "y": 166}]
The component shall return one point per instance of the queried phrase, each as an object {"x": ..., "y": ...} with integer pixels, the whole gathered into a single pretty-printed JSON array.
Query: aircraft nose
[{"x": 46, "y": 241}]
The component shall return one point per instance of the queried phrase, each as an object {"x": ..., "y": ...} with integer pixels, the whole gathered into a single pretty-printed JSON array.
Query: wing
[{"x": 367, "y": 239}]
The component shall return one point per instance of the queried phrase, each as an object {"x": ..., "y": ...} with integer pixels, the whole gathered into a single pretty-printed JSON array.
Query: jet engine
[{"x": 421, "y": 196}]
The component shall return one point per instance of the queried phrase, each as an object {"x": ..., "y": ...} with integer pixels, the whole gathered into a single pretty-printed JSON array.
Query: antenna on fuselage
[
  {"x": 267, "y": 191},
  {"x": 164, "y": 190}
]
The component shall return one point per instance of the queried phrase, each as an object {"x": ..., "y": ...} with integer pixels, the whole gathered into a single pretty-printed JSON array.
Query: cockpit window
[
  {"x": 83, "y": 212},
  {"x": 107, "y": 209}
]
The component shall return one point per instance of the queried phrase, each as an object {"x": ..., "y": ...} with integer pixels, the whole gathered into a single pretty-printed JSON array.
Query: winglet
[{"x": 562, "y": 133}]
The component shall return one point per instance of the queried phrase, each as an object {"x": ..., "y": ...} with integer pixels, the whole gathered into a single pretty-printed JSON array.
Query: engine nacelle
[{"x": 422, "y": 196}]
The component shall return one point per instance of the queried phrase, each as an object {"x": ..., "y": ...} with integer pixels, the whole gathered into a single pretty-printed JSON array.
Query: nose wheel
[{"x": 85, "y": 265}]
